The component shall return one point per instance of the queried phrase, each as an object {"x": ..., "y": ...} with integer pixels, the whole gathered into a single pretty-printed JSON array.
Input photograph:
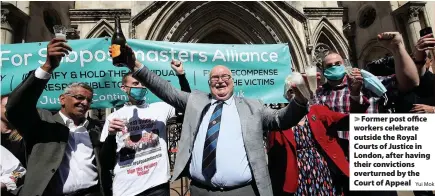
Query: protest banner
[{"x": 259, "y": 71}]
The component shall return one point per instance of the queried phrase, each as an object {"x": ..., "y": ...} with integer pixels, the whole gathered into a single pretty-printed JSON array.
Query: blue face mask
[
  {"x": 335, "y": 72},
  {"x": 372, "y": 83},
  {"x": 138, "y": 93}
]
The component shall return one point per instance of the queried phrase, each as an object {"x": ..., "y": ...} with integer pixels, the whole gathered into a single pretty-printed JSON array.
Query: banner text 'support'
[{"x": 259, "y": 71}]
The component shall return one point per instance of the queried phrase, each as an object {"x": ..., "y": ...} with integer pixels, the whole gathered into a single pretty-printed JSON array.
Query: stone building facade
[{"x": 311, "y": 28}]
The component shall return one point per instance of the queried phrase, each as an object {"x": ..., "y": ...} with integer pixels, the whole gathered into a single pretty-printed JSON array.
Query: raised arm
[
  {"x": 157, "y": 85},
  {"x": 23, "y": 99},
  {"x": 162, "y": 88},
  {"x": 284, "y": 118},
  {"x": 177, "y": 66},
  {"x": 405, "y": 69},
  {"x": 287, "y": 117},
  {"x": 22, "y": 104}
]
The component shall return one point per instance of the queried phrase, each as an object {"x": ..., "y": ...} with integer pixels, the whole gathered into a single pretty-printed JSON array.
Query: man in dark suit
[
  {"x": 221, "y": 144},
  {"x": 63, "y": 148}
]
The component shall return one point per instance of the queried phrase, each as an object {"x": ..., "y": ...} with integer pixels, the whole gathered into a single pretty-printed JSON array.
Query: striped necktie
[{"x": 211, "y": 139}]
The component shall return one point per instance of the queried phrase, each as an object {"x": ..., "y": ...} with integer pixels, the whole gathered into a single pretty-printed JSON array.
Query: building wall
[
  {"x": 37, "y": 30},
  {"x": 365, "y": 39},
  {"x": 430, "y": 9},
  {"x": 306, "y": 25}
]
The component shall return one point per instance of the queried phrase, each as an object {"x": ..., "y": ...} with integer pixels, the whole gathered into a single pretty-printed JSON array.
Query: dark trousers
[
  {"x": 91, "y": 191},
  {"x": 197, "y": 189},
  {"x": 161, "y": 190}
]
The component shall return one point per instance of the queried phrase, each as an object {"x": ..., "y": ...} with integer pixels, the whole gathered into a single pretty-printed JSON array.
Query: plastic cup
[
  {"x": 299, "y": 81},
  {"x": 59, "y": 31}
]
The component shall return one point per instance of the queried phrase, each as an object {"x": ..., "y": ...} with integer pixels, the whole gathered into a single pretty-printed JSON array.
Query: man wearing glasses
[
  {"x": 64, "y": 148},
  {"x": 135, "y": 142},
  {"x": 221, "y": 144}
]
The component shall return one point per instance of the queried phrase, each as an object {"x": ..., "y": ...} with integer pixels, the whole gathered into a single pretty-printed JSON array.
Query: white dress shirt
[
  {"x": 232, "y": 167},
  {"x": 76, "y": 169}
]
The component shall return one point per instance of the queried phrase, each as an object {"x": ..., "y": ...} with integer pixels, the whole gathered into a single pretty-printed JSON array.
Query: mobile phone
[{"x": 425, "y": 31}]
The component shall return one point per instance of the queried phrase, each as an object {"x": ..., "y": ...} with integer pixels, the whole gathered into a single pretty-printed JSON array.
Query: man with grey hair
[
  {"x": 221, "y": 146},
  {"x": 64, "y": 148}
]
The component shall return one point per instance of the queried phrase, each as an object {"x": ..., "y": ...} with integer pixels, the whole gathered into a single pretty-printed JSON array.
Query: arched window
[{"x": 51, "y": 18}]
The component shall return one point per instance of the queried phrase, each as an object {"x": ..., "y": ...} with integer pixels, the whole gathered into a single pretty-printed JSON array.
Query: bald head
[
  {"x": 221, "y": 83},
  {"x": 220, "y": 68}
]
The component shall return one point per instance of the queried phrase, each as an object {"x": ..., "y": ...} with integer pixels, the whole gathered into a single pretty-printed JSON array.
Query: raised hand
[
  {"x": 390, "y": 40},
  {"x": 177, "y": 66},
  {"x": 115, "y": 125},
  {"x": 132, "y": 62},
  {"x": 56, "y": 49},
  {"x": 424, "y": 44},
  {"x": 421, "y": 108},
  {"x": 356, "y": 82}
]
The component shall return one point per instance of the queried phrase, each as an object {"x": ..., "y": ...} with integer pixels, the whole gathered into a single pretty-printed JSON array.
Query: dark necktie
[{"x": 211, "y": 139}]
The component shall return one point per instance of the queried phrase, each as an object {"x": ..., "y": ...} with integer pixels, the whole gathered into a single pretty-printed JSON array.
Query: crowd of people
[{"x": 221, "y": 147}]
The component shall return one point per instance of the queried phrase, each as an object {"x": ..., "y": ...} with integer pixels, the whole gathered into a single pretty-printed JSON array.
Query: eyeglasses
[
  {"x": 80, "y": 97},
  {"x": 224, "y": 77}
]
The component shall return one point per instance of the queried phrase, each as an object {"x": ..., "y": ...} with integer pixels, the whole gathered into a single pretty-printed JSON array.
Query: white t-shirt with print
[{"x": 142, "y": 154}]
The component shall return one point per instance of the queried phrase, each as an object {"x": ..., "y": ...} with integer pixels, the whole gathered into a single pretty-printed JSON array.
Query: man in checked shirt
[{"x": 336, "y": 92}]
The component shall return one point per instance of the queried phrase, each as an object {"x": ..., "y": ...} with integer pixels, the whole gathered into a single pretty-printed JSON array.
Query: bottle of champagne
[{"x": 119, "y": 56}]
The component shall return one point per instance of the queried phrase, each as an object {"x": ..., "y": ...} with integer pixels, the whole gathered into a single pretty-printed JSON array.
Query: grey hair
[{"x": 73, "y": 85}]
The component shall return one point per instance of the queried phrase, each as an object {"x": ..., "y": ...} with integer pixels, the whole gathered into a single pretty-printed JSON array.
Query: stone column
[
  {"x": 350, "y": 32},
  {"x": 7, "y": 33},
  {"x": 413, "y": 27}
]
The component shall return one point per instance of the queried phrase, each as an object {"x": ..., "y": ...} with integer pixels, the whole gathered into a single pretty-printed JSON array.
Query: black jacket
[{"x": 46, "y": 136}]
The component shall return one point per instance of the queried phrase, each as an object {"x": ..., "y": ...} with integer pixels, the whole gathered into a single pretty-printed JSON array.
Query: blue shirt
[{"x": 232, "y": 168}]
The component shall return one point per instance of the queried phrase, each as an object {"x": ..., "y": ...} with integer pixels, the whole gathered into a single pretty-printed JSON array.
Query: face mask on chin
[
  {"x": 336, "y": 72},
  {"x": 138, "y": 94}
]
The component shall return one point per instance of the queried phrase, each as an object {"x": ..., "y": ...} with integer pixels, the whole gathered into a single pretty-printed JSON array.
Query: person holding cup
[
  {"x": 309, "y": 154},
  {"x": 341, "y": 89},
  {"x": 136, "y": 134},
  {"x": 60, "y": 31},
  {"x": 422, "y": 98},
  {"x": 221, "y": 145},
  {"x": 64, "y": 158}
]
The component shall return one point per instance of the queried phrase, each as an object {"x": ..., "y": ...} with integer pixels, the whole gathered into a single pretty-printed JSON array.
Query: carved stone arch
[
  {"x": 371, "y": 51},
  {"x": 215, "y": 25},
  {"x": 250, "y": 22},
  {"x": 326, "y": 36},
  {"x": 103, "y": 27}
]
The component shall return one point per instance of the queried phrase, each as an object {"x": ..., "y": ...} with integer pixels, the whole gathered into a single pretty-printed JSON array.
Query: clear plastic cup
[
  {"x": 312, "y": 78},
  {"x": 124, "y": 120},
  {"x": 60, "y": 31},
  {"x": 299, "y": 81}
]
